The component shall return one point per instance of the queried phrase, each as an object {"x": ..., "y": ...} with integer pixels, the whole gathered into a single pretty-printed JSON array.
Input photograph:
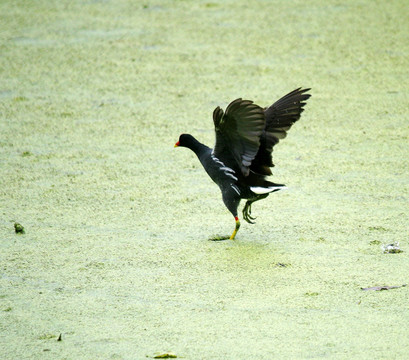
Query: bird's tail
[{"x": 268, "y": 187}]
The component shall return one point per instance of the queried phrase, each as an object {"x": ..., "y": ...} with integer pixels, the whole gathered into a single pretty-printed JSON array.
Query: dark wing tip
[
  {"x": 279, "y": 118},
  {"x": 217, "y": 117},
  {"x": 287, "y": 110}
]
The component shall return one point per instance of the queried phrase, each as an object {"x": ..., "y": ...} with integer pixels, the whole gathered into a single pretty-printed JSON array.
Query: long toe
[
  {"x": 248, "y": 218},
  {"x": 249, "y": 213}
]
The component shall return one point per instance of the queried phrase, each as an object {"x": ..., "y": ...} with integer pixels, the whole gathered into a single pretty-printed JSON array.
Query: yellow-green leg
[
  {"x": 236, "y": 229},
  {"x": 219, "y": 238}
]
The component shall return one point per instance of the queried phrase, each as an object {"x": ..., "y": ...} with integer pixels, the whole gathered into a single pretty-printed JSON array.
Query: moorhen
[{"x": 241, "y": 158}]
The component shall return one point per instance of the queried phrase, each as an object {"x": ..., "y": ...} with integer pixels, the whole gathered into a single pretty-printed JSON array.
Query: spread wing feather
[
  {"x": 279, "y": 118},
  {"x": 248, "y": 132},
  {"x": 238, "y": 131}
]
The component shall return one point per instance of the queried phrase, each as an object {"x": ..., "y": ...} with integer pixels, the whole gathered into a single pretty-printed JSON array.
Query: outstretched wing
[
  {"x": 279, "y": 118},
  {"x": 285, "y": 112},
  {"x": 238, "y": 131}
]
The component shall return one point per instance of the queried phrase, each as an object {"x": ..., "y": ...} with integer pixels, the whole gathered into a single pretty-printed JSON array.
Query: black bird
[{"x": 241, "y": 158}]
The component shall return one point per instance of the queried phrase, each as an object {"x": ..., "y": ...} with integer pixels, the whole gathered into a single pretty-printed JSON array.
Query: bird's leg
[
  {"x": 236, "y": 228},
  {"x": 247, "y": 212},
  {"x": 220, "y": 238},
  {"x": 247, "y": 208}
]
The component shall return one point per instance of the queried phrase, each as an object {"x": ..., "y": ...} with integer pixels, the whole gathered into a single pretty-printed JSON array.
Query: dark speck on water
[{"x": 18, "y": 228}]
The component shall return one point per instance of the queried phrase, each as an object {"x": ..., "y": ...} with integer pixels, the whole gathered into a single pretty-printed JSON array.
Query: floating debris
[
  {"x": 18, "y": 228},
  {"x": 391, "y": 248},
  {"x": 60, "y": 337},
  {"x": 166, "y": 355},
  {"x": 377, "y": 228},
  {"x": 47, "y": 337},
  {"x": 26, "y": 153},
  {"x": 380, "y": 288}
]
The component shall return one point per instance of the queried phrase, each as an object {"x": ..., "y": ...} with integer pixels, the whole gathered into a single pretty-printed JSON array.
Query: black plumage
[{"x": 241, "y": 158}]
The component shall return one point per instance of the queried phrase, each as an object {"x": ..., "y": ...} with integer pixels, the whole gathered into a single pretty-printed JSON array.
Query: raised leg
[
  {"x": 247, "y": 212},
  {"x": 247, "y": 208}
]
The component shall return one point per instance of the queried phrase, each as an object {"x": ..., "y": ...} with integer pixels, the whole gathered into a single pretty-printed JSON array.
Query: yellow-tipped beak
[{"x": 177, "y": 144}]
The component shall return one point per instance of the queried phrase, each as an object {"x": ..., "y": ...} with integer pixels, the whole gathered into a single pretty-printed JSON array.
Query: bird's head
[{"x": 185, "y": 140}]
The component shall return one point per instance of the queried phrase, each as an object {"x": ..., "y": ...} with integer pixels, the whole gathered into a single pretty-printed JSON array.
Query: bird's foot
[{"x": 247, "y": 213}]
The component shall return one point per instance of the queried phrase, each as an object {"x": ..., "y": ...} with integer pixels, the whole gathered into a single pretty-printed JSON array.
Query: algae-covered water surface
[{"x": 112, "y": 260}]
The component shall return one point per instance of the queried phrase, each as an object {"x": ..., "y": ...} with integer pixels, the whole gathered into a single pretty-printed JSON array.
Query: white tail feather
[{"x": 262, "y": 190}]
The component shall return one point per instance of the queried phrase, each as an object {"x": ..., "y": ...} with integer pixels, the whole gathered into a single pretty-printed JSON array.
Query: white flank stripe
[
  {"x": 236, "y": 189},
  {"x": 262, "y": 190},
  {"x": 227, "y": 169},
  {"x": 231, "y": 175},
  {"x": 217, "y": 160}
]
